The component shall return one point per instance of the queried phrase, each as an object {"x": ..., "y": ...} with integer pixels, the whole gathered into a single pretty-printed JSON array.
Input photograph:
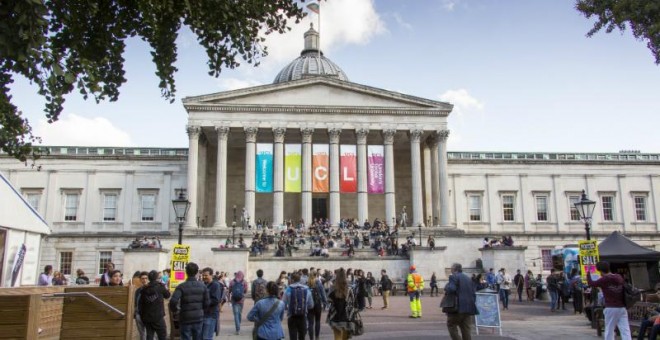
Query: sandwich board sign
[
  {"x": 180, "y": 258},
  {"x": 488, "y": 305}
]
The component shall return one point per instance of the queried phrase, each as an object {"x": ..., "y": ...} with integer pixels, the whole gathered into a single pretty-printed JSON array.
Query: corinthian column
[
  {"x": 193, "y": 154},
  {"x": 221, "y": 178},
  {"x": 435, "y": 190},
  {"x": 416, "y": 170},
  {"x": 307, "y": 174},
  {"x": 335, "y": 214},
  {"x": 362, "y": 196},
  {"x": 443, "y": 177},
  {"x": 250, "y": 155},
  {"x": 278, "y": 175},
  {"x": 390, "y": 207}
]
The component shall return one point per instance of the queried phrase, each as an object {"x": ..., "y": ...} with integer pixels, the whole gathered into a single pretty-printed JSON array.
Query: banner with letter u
[
  {"x": 320, "y": 168},
  {"x": 347, "y": 168},
  {"x": 292, "y": 168},
  {"x": 375, "y": 169},
  {"x": 264, "y": 168}
]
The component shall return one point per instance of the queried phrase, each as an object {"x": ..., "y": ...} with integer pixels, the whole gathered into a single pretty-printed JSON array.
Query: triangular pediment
[{"x": 318, "y": 92}]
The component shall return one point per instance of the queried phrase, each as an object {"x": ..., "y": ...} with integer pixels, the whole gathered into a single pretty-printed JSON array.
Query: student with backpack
[
  {"x": 298, "y": 299},
  {"x": 237, "y": 290},
  {"x": 258, "y": 287},
  {"x": 320, "y": 301}
]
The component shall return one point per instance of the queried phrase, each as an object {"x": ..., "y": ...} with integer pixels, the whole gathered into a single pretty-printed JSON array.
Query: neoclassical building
[{"x": 311, "y": 145}]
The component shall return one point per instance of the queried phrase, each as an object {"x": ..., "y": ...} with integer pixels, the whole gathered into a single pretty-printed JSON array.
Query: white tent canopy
[{"x": 16, "y": 213}]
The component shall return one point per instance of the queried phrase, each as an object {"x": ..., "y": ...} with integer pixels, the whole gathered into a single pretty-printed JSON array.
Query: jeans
[
  {"x": 191, "y": 331},
  {"x": 208, "y": 328},
  {"x": 142, "y": 331},
  {"x": 616, "y": 317},
  {"x": 554, "y": 299},
  {"x": 504, "y": 296},
  {"x": 643, "y": 327},
  {"x": 237, "y": 309},
  {"x": 456, "y": 321},
  {"x": 386, "y": 298},
  {"x": 158, "y": 328},
  {"x": 314, "y": 323},
  {"x": 520, "y": 291},
  {"x": 297, "y": 327}
]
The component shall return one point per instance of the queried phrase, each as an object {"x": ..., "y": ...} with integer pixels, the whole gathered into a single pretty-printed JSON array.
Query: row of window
[
  {"x": 65, "y": 263},
  {"x": 607, "y": 207}
]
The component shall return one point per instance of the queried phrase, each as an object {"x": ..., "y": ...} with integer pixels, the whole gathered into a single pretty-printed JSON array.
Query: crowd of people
[{"x": 146, "y": 243}]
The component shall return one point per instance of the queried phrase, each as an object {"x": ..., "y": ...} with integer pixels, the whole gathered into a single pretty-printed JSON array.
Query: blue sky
[{"x": 522, "y": 76}]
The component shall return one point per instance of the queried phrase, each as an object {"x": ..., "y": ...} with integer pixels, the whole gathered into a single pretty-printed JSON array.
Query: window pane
[
  {"x": 640, "y": 208},
  {"x": 148, "y": 207},
  {"x": 546, "y": 257},
  {"x": 33, "y": 199},
  {"x": 608, "y": 212},
  {"x": 105, "y": 257},
  {"x": 575, "y": 215},
  {"x": 66, "y": 257},
  {"x": 507, "y": 207},
  {"x": 542, "y": 208},
  {"x": 71, "y": 207},
  {"x": 109, "y": 207},
  {"x": 475, "y": 208}
]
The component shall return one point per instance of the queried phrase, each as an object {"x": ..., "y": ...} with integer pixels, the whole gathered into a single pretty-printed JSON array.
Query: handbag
[
  {"x": 263, "y": 320},
  {"x": 449, "y": 302},
  {"x": 357, "y": 327}
]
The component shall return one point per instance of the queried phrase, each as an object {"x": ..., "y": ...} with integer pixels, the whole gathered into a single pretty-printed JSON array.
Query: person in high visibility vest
[{"x": 415, "y": 283}]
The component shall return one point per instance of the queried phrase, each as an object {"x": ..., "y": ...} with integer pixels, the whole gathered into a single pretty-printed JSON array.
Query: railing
[
  {"x": 110, "y": 151},
  {"x": 89, "y": 295},
  {"x": 548, "y": 156}
]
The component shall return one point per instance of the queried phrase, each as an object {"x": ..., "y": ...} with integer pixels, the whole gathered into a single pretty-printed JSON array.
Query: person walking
[
  {"x": 151, "y": 308},
  {"x": 553, "y": 290},
  {"x": 258, "y": 287},
  {"x": 530, "y": 285},
  {"x": 298, "y": 300},
  {"x": 519, "y": 282},
  {"x": 238, "y": 288},
  {"x": 320, "y": 301},
  {"x": 461, "y": 285},
  {"x": 140, "y": 283},
  {"x": 189, "y": 301},
  {"x": 267, "y": 315},
  {"x": 615, "y": 311},
  {"x": 370, "y": 282},
  {"x": 342, "y": 306},
  {"x": 386, "y": 288},
  {"x": 434, "y": 284},
  {"x": 504, "y": 281},
  {"x": 577, "y": 289},
  {"x": 210, "y": 326},
  {"x": 415, "y": 284}
]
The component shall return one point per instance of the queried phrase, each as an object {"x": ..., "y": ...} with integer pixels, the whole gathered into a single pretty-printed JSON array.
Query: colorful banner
[
  {"x": 180, "y": 258},
  {"x": 320, "y": 168},
  {"x": 347, "y": 169},
  {"x": 376, "y": 169},
  {"x": 18, "y": 263},
  {"x": 292, "y": 168},
  {"x": 264, "y": 168},
  {"x": 588, "y": 259}
]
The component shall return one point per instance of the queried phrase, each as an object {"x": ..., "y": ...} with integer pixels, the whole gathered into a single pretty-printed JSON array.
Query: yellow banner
[
  {"x": 292, "y": 168},
  {"x": 180, "y": 258},
  {"x": 588, "y": 259}
]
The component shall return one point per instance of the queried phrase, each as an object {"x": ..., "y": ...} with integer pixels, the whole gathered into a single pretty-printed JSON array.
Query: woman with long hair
[
  {"x": 320, "y": 300},
  {"x": 341, "y": 306},
  {"x": 282, "y": 283}
]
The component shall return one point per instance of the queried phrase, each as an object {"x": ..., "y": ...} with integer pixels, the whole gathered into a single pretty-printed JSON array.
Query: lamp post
[
  {"x": 181, "y": 206},
  {"x": 586, "y": 210},
  {"x": 233, "y": 228},
  {"x": 420, "y": 234}
]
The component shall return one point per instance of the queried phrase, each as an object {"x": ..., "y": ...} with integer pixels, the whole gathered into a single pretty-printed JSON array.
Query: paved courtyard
[{"x": 522, "y": 321}]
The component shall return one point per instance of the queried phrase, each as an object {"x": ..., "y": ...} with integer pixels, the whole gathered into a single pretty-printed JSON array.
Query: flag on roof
[{"x": 314, "y": 7}]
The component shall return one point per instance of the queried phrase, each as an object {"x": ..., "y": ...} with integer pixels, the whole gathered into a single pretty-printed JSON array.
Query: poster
[
  {"x": 639, "y": 275},
  {"x": 264, "y": 168},
  {"x": 180, "y": 258},
  {"x": 488, "y": 306},
  {"x": 347, "y": 169},
  {"x": 320, "y": 166},
  {"x": 375, "y": 169},
  {"x": 18, "y": 263},
  {"x": 588, "y": 259},
  {"x": 292, "y": 168}
]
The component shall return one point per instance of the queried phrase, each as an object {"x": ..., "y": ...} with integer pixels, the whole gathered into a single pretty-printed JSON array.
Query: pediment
[{"x": 318, "y": 92}]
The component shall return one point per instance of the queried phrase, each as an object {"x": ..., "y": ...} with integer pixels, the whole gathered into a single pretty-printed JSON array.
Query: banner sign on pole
[
  {"x": 588, "y": 259},
  {"x": 180, "y": 258},
  {"x": 18, "y": 263},
  {"x": 375, "y": 166},
  {"x": 347, "y": 169},
  {"x": 292, "y": 168},
  {"x": 320, "y": 166},
  {"x": 264, "y": 168}
]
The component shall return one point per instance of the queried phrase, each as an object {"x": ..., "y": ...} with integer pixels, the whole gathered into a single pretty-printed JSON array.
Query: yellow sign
[
  {"x": 180, "y": 258},
  {"x": 588, "y": 259}
]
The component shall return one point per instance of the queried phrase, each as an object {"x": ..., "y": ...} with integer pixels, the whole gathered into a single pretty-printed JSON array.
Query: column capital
[
  {"x": 431, "y": 141},
  {"x": 334, "y": 134},
  {"x": 415, "y": 135},
  {"x": 251, "y": 133},
  {"x": 361, "y": 134},
  {"x": 278, "y": 134},
  {"x": 193, "y": 131},
  {"x": 223, "y": 132},
  {"x": 388, "y": 136},
  {"x": 442, "y": 135},
  {"x": 307, "y": 133}
]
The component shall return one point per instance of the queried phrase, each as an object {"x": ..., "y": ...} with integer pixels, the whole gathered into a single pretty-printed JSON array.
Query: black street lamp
[
  {"x": 420, "y": 234},
  {"x": 233, "y": 228},
  {"x": 181, "y": 206},
  {"x": 586, "y": 210}
]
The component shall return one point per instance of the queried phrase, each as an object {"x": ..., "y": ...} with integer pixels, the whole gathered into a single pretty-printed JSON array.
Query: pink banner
[
  {"x": 376, "y": 169},
  {"x": 348, "y": 169}
]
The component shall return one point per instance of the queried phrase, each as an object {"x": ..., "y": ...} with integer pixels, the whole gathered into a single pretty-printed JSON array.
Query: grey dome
[{"x": 311, "y": 63}]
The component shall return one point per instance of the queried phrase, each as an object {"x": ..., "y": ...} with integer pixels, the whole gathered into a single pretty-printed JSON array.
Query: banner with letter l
[{"x": 347, "y": 169}]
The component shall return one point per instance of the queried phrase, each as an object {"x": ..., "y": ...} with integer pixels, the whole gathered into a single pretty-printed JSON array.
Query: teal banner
[{"x": 264, "y": 168}]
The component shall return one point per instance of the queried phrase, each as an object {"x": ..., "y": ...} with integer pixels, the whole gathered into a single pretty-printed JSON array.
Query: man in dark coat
[
  {"x": 152, "y": 312},
  {"x": 212, "y": 312},
  {"x": 461, "y": 285},
  {"x": 189, "y": 300}
]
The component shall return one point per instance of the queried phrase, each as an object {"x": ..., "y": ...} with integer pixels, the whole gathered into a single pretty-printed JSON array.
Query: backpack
[
  {"x": 260, "y": 289},
  {"x": 631, "y": 295},
  {"x": 298, "y": 303},
  {"x": 316, "y": 296},
  {"x": 237, "y": 291}
]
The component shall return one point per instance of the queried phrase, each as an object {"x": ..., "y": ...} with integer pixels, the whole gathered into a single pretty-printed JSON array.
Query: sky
[{"x": 522, "y": 76}]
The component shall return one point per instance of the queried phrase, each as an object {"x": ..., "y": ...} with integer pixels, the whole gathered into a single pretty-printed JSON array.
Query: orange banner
[{"x": 320, "y": 170}]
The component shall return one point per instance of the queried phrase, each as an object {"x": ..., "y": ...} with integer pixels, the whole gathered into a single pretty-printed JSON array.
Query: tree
[
  {"x": 62, "y": 46},
  {"x": 642, "y": 16}
]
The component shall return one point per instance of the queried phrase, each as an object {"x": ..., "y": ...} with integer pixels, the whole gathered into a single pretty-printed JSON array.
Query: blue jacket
[
  {"x": 215, "y": 295},
  {"x": 271, "y": 328},
  {"x": 463, "y": 286},
  {"x": 287, "y": 296}
]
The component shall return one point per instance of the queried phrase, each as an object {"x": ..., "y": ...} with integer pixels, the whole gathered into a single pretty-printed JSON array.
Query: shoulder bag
[
  {"x": 261, "y": 321},
  {"x": 449, "y": 302}
]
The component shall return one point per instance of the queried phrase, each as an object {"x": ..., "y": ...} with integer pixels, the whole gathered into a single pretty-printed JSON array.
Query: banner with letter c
[
  {"x": 320, "y": 168},
  {"x": 375, "y": 167},
  {"x": 347, "y": 168},
  {"x": 292, "y": 168},
  {"x": 264, "y": 168}
]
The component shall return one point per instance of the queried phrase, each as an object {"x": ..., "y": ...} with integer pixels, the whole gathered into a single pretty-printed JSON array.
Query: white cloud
[
  {"x": 463, "y": 102},
  {"x": 449, "y": 5},
  {"x": 399, "y": 20},
  {"x": 76, "y": 130},
  {"x": 228, "y": 84}
]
